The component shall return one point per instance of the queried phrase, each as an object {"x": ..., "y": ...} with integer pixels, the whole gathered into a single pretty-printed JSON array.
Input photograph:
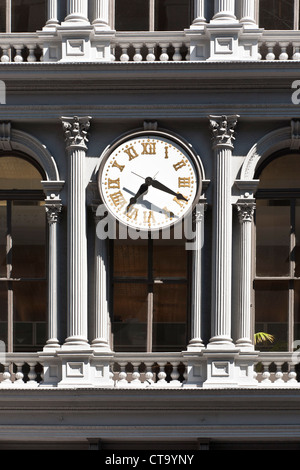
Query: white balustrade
[
  {"x": 279, "y": 45},
  {"x": 20, "y": 48}
]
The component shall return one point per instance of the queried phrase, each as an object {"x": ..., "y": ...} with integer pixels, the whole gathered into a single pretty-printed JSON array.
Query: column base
[{"x": 221, "y": 342}]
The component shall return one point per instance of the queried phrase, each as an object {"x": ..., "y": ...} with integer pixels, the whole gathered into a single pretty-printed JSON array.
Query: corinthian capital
[
  {"x": 245, "y": 211},
  {"x": 222, "y": 128},
  {"x": 76, "y": 131}
]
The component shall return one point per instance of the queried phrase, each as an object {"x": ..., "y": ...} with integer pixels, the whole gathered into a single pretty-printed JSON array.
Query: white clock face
[{"x": 149, "y": 182}]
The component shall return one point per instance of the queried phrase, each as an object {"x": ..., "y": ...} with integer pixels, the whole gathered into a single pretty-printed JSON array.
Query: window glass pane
[
  {"x": 28, "y": 15},
  {"x": 271, "y": 313},
  {"x": 130, "y": 258},
  {"x": 297, "y": 313},
  {"x": 169, "y": 259},
  {"x": 297, "y": 233},
  {"x": 29, "y": 238},
  {"x": 132, "y": 15},
  {"x": 2, "y": 17},
  {"x": 130, "y": 317},
  {"x": 172, "y": 15},
  {"x": 3, "y": 229},
  {"x": 272, "y": 237},
  {"x": 29, "y": 307},
  {"x": 18, "y": 173},
  {"x": 276, "y": 14},
  {"x": 282, "y": 172},
  {"x": 169, "y": 317}
]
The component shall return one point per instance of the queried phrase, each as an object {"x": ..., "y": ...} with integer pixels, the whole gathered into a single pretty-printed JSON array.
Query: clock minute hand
[{"x": 162, "y": 187}]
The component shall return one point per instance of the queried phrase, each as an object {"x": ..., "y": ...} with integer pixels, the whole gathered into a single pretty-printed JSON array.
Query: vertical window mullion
[
  {"x": 10, "y": 305},
  {"x": 151, "y": 15},
  {"x": 296, "y": 14},
  {"x": 8, "y": 16},
  {"x": 150, "y": 296}
]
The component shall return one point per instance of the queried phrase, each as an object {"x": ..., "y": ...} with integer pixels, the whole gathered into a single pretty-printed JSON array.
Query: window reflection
[
  {"x": 271, "y": 312},
  {"x": 150, "y": 311},
  {"x": 276, "y": 14},
  {"x": 272, "y": 237},
  {"x": 27, "y": 15}
]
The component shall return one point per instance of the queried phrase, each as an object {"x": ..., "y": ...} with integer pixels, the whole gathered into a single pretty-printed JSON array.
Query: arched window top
[
  {"x": 18, "y": 173},
  {"x": 281, "y": 172}
]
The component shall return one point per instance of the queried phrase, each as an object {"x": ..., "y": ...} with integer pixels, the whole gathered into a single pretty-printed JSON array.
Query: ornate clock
[{"x": 150, "y": 180}]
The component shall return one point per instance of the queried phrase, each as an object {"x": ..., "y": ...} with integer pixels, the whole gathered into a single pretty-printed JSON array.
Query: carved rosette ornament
[
  {"x": 245, "y": 211},
  {"x": 222, "y": 128},
  {"x": 76, "y": 131}
]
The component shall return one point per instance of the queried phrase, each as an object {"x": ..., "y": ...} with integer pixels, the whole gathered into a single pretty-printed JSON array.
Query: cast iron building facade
[{"x": 121, "y": 122}]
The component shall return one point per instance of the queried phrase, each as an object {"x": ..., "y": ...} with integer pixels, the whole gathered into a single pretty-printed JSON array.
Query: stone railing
[
  {"x": 25, "y": 47},
  {"x": 155, "y": 370},
  {"x": 150, "y": 47},
  {"x": 163, "y": 46},
  {"x": 144, "y": 370},
  {"x": 280, "y": 45},
  {"x": 278, "y": 369}
]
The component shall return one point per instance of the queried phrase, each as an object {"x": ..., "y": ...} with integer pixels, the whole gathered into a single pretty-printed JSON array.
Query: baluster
[
  {"x": 164, "y": 55},
  {"x": 150, "y": 56},
  {"x": 161, "y": 382},
  {"x": 32, "y": 375},
  {"x": 175, "y": 375},
  {"x": 292, "y": 376},
  {"x": 283, "y": 54},
  {"x": 259, "y": 56},
  {"x": 19, "y": 375},
  {"x": 279, "y": 375},
  {"x": 136, "y": 376},
  {"x": 6, "y": 374},
  {"x": 266, "y": 374},
  {"x": 137, "y": 56},
  {"x": 270, "y": 55},
  {"x": 113, "y": 52},
  {"x": 124, "y": 56},
  {"x": 296, "y": 53},
  {"x": 5, "y": 54},
  {"x": 31, "y": 57},
  {"x": 177, "y": 56},
  {"x": 18, "y": 56}
]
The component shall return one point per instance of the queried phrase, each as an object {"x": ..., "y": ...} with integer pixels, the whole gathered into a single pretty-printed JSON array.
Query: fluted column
[
  {"x": 53, "y": 210},
  {"x": 101, "y": 312},
  {"x": 52, "y": 14},
  {"x": 199, "y": 13},
  {"x": 101, "y": 13},
  {"x": 77, "y": 10},
  {"x": 224, "y": 10},
  {"x": 248, "y": 12},
  {"x": 75, "y": 129},
  {"x": 223, "y": 130},
  {"x": 196, "y": 296},
  {"x": 245, "y": 213}
]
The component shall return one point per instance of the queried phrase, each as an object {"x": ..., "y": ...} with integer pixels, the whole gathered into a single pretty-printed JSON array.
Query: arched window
[
  {"x": 23, "y": 285},
  {"x": 277, "y": 281}
]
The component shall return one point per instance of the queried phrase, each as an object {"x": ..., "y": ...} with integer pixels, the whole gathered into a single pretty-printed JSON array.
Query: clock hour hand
[
  {"x": 142, "y": 190},
  {"x": 162, "y": 187}
]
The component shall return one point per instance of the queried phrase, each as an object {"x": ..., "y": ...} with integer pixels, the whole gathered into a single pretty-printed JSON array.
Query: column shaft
[
  {"x": 196, "y": 309},
  {"x": 77, "y": 10},
  {"x": 222, "y": 127},
  {"x": 199, "y": 13},
  {"x": 75, "y": 131},
  {"x": 224, "y": 10},
  {"x": 101, "y": 13},
  {"x": 52, "y": 13},
  {"x": 52, "y": 215},
  {"x": 101, "y": 317},
  {"x": 245, "y": 211},
  {"x": 248, "y": 12}
]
